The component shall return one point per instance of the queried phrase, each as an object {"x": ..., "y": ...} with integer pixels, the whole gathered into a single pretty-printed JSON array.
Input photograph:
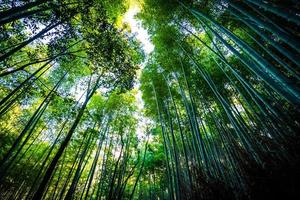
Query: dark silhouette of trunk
[
  {"x": 64, "y": 187},
  {"x": 20, "y": 16},
  {"x": 170, "y": 182},
  {"x": 10, "y": 95},
  {"x": 30, "y": 145},
  {"x": 30, "y": 125},
  {"x": 71, "y": 191},
  {"x": 94, "y": 165},
  {"x": 175, "y": 152},
  {"x": 38, "y": 35},
  {"x": 19, "y": 9},
  {"x": 112, "y": 181},
  {"x": 181, "y": 134},
  {"x": 49, "y": 59},
  {"x": 123, "y": 187},
  {"x": 122, "y": 169},
  {"x": 140, "y": 172},
  {"x": 103, "y": 171},
  {"x": 46, "y": 159},
  {"x": 39, "y": 193},
  {"x": 14, "y": 153},
  {"x": 59, "y": 177}
]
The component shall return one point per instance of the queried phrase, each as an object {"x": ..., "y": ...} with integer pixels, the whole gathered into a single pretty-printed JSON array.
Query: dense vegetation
[{"x": 220, "y": 97}]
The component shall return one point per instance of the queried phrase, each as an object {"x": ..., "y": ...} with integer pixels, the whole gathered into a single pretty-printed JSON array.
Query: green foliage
[{"x": 220, "y": 100}]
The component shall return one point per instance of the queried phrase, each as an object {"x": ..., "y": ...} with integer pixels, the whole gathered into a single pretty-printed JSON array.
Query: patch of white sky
[
  {"x": 141, "y": 35},
  {"x": 137, "y": 29}
]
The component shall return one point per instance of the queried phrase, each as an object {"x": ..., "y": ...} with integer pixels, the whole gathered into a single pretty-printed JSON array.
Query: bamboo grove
[
  {"x": 224, "y": 81},
  {"x": 220, "y": 97}
]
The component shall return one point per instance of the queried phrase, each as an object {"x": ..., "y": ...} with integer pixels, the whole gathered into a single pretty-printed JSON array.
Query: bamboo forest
[{"x": 149, "y": 99}]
